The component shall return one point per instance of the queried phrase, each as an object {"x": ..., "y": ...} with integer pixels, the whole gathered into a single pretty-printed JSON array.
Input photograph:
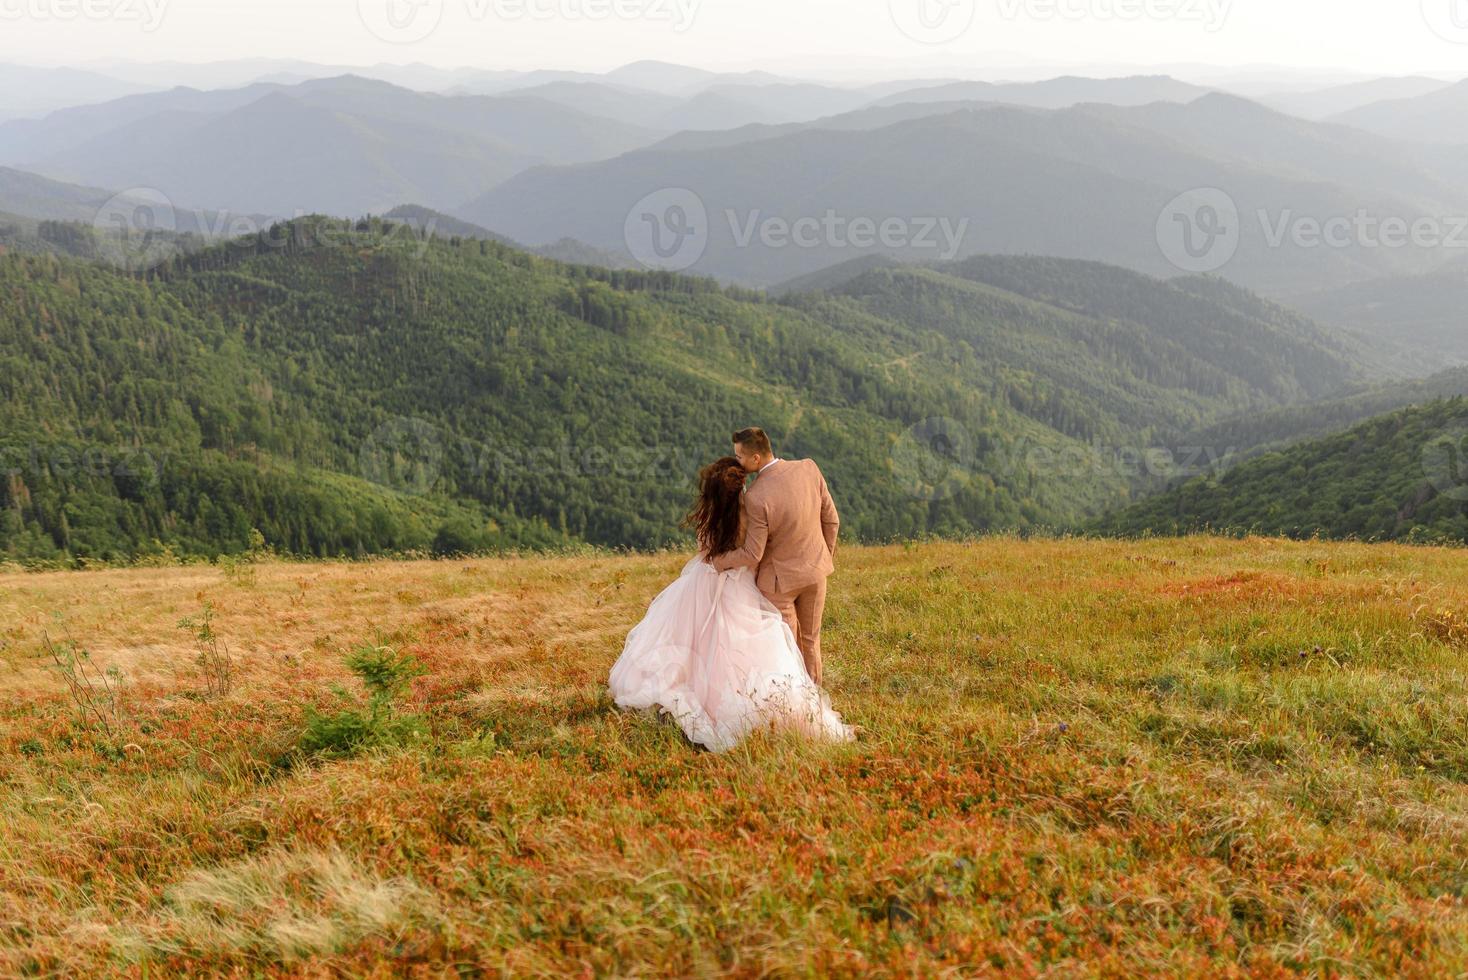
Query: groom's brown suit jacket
[{"x": 790, "y": 529}]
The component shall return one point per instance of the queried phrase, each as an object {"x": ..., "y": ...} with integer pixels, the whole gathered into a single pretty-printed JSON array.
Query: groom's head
[{"x": 752, "y": 448}]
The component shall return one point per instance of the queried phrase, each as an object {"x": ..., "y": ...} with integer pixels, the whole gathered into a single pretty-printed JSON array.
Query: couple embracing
[{"x": 734, "y": 644}]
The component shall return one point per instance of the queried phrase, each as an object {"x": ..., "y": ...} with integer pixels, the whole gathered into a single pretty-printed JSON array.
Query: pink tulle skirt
[{"x": 713, "y": 653}]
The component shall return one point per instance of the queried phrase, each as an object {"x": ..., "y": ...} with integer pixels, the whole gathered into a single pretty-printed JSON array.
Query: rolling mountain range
[
  {"x": 1073, "y": 167},
  {"x": 428, "y": 222},
  {"x": 124, "y": 229},
  {"x": 1015, "y": 333},
  {"x": 1425, "y": 311},
  {"x": 1089, "y": 182},
  {"x": 719, "y": 107},
  {"x": 351, "y": 144},
  {"x": 1056, "y": 93},
  {"x": 35, "y": 197},
  {"x": 1324, "y": 103},
  {"x": 29, "y": 91},
  {"x": 727, "y": 105},
  {"x": 1435, "y": 116},
  {"x": 345, "y": 145},
  {"x": 359, "y": 391}
]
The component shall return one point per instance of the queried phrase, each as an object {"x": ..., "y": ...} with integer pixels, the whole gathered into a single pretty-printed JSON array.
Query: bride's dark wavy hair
[{"x": 715, "y": 514}]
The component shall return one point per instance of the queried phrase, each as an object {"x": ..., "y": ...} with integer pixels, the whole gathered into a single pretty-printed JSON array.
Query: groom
[{"x": 789, "y": 538}]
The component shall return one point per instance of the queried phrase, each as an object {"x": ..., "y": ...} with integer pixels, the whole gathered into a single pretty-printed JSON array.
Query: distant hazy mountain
[
  {"x": 1332, "y": 101},
  {"x": 629, "y": 105},
  {"x": 344, "y": 146},
  {"x": 1261, "y": 81},
  {"x": 718, "y": 107},
  {"x": 63, "y": 132},
  {"x": 1090, "y": 183},
  {"x": 35, "y": 197},
  {"x": 1057, "y": 93},
  {"x": 501, "y": 82},
  {"x": 657, "y": 77},
  {"x": 833, "y": 277},
  {"x": 724, "y": 107},
  {"x": 531, "y": 126},
  {"x": 1426, "y": 311},
  {"x": 1231, "y": 128},
  {"x": 662, "y": 76},
  {"x": 242, "y": 72},
  {"x": 874, "y": 117},
  {"x": 880, "y": 90},
  {"x": 440, "y": 224},
  {"x": 566, "y": 250},
  {"x": 26, "y": 91},
  {"x": 1436, "y": 117},
  {"x": 128, "y": 229},
  {"x": 1225, "y": 124},
  {"x": 41, "y": 215},
  {"x": 572, "y": 252}
]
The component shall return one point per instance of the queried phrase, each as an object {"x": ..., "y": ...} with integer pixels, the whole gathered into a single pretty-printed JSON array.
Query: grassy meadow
[{"x": 1185, "y": 756}]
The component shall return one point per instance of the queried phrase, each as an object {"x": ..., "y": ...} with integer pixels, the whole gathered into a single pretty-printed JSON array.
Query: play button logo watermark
[
  {"x": 1199, "y": 230},
  {"x": 667, "y": 229},
  {"x": 135, "y": 230},
  {"x": 400, "y": 21},
  {"x": 1445, "y": 463},
  {"x": 1448, "y": 19},
  {"x": 934, "y": 459}
]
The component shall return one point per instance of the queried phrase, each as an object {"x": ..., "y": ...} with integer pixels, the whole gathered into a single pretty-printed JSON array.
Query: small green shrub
[{"x": 386, "y": 675}]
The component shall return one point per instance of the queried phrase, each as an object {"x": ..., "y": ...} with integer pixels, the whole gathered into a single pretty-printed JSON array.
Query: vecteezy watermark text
[
  {"x": 835, "y": 230},
  {"x": 1364, "y": 230},
  {"x": 937, "y": 458},
  {"x": 38, "y": 460},
  {"x": 1201, "y": 230},
  {"x": 148, "y": 14},
  {"x": 671, "y": 229}
]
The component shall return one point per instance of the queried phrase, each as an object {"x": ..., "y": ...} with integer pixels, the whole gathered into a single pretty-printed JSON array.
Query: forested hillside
[
  {"x": 349, "y": 388},
  {"x": 1099, "y": 353},
  {"x": 1399, "y": 476}
]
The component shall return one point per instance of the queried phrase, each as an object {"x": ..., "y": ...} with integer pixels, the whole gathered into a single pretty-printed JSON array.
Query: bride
[{"x": 712, "y": 651}]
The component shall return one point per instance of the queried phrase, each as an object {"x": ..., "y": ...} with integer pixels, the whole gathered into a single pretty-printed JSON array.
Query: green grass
[{"x": 1179, "y": 756}]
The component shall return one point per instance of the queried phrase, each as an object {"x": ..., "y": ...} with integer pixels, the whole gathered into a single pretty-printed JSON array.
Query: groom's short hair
[{"x": 754, "y": 438}]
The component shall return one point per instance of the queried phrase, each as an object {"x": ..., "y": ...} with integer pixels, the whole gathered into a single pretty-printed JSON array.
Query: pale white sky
[{"x": 810, "y": 37}]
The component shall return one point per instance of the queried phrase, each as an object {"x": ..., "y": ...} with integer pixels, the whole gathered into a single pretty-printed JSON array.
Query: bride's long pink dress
[{"x": 717, "y": 656}]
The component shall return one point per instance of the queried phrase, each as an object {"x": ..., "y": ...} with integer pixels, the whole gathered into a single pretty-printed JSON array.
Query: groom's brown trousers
[{"x": 802, "y": 610}]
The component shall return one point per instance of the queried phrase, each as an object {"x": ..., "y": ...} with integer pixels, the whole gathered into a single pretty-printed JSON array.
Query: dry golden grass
[{"x": 1080, "y": 757}]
